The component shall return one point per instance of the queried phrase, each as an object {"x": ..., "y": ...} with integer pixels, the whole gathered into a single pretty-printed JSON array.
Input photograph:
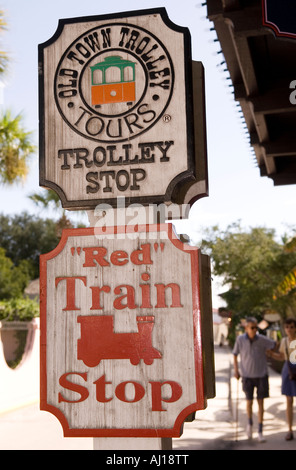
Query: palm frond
[{"x": 286, "y": 285}]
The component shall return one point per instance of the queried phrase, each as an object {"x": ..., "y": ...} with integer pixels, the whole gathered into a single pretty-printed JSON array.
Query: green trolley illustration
[{"x": 113, "y": 81}]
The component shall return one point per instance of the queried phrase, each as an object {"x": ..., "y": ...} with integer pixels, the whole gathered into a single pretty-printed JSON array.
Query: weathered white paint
[
  {"x": 176, "y": 332},
  {"x": 152, "y": 136}
]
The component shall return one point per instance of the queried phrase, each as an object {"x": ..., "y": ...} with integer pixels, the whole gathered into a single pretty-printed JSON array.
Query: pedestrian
[
  {"x": 285, "y": 353},
  {"x": 252, "y": 348}
]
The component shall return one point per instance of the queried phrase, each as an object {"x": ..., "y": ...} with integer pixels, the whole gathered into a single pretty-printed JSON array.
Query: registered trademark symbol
[{"x": 167, "y": 118}]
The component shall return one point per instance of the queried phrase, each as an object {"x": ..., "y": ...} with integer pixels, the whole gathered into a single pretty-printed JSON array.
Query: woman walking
[{"x": 287, "y": 353}]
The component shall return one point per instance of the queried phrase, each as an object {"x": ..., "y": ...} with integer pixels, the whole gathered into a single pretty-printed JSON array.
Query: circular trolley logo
[{"x": 114, "y": 82}]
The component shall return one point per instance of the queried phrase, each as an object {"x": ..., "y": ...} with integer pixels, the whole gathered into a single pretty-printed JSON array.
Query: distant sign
[
  {"x": 280, "y": 16},
  {"x": 121, "y": 346},
  {"x": 116, "y": 109}
]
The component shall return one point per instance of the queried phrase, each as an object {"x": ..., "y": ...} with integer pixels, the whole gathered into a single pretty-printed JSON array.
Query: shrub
[{"x": 19, "y": 309}]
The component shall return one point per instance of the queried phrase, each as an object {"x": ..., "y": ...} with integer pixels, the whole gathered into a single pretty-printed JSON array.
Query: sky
[{"x": 236, "y": 189}]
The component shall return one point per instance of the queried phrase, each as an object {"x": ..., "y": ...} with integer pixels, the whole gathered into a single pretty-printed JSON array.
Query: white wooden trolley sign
[
  {"x": 121, "y": 349},
  {"x": 116, "y": 112}
]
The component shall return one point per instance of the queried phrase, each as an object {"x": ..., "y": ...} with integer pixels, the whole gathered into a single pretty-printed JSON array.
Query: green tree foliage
[
  {"x": 3, "y": 55},
  {"x": 46, "y": 199},
  {"x": 15, "y": 148},
  {"x": 49, "y": 199},
  {"x": 252, "y": 263},
  {"x": 288, "y": 284},
  {"x": 25, "y": 237},
  {"x": 13, "y": 279},
  {"x": 18, "y": 309},
  {"x": 16, "y": 144}
]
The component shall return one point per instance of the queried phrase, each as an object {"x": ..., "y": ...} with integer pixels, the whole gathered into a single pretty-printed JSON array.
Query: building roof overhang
[{"x": 262, "y": 68}]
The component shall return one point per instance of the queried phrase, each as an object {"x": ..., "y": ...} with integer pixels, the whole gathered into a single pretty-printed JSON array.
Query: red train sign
[{"x": 121, "y": 346}]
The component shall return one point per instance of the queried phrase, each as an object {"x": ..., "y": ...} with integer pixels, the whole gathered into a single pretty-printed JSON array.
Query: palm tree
[
  {"x": 15, "y": 148},
  {"x": 15, "y": 143},
  {"x": 288, "y": 283},
  {"x": 49, "y": 198},
  {"x": 3, "y": 56}
]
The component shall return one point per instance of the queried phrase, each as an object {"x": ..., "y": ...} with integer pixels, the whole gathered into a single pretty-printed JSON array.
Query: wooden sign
[
  {"x": 280, "y": 17},
  {"x": 121, "y": 346},
  {"x": 116, "y": 110}
]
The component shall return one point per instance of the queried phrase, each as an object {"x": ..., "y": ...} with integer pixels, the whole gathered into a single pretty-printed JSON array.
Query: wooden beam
[
  {"x": 273, "y": 101},
  {"x": 284, "y": 178},
  {"x": 214, "y": 8},
  {"x": 247, "y": 22},
  {"x": 285, "y": 147}
]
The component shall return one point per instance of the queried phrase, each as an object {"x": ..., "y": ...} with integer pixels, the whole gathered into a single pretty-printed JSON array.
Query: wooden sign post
[
  {"x": 121, "y": 332},
  {"x": 123, "y": 307}
]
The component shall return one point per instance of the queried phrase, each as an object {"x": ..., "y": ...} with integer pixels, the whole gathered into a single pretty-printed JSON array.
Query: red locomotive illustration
[{"x": 98, "y": 341}]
